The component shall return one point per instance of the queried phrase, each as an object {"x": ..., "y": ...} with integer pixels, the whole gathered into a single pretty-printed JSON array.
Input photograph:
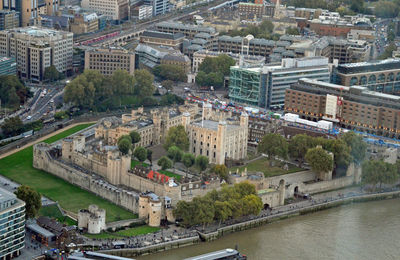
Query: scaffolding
[{"x": 244, "y": 85}]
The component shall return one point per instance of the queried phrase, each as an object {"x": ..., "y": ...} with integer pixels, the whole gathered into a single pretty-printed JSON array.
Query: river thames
[{"x": 358, "y": 231}]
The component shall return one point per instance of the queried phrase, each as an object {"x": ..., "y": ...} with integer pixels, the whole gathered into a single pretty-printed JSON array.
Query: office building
[
  {"x": 381, "y": 76},
  {"x": 8, "y": 66},
  {"x": 173, "y": 40},
  {"x": 159, "y": 6},
  {"x": 142, "y": 12},
  {"x": 113, "y": 9},
  {"x": 35, "y": 49},
  {"x": 84, "y": 23},
  {"x": 108, "y": 60},
  {"x": 265, "y": 86},
  {"x": 8, "y": 19},
  {"x": 30, "y": 9},
  {"x": 189, "y": 30},
  {"x": 251, "y": 10},
  {"x": 355, "y": 107},
  {"x": 12, "y": 228}
]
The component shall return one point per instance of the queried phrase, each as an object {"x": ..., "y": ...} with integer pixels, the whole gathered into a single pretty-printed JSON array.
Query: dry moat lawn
[
  {"x": 263, "y": 165},
  {"x": 18, "y": 167}
]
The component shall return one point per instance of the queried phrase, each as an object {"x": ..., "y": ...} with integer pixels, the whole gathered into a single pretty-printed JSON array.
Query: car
[{"x": 29, "y": 117}]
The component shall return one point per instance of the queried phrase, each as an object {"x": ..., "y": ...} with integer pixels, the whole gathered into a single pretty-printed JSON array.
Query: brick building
[{"x": 355, "y": 108}]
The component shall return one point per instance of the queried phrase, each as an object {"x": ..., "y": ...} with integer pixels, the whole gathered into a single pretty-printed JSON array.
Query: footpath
[{"x": 178, "y": 237}]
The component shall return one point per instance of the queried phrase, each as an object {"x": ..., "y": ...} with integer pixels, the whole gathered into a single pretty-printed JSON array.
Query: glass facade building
[
  {"x": 265, "y": 86},
  {"x": 8, "y": 66},
  {"x": 12, "y": 225}
]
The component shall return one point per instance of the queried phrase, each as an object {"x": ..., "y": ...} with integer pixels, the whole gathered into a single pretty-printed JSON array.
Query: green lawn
[
  {"x": 130, "y": 232},
  {"x": 54, "y": 212},
  {"x": 262, "y": 165},
  {"x": 134, "y": 163},
  {"x": 171, "y": 174},
  {"x": 18, "y": 167}
]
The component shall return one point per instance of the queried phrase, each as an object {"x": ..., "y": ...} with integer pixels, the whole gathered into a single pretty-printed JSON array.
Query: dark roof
[
  {"x": 163, "y": 35},
  {"x": 53, "y": 225},
  {"x": 62, "y": 21}
]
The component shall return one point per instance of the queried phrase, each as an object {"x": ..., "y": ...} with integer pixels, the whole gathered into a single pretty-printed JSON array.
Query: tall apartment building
[
  {"x": 35, "y": 49},
  {"x": 113, "y": 9},
  {"x": 8, "y": 19},
  {"x": 30, "y": 9},
  {"x": 159, "y": 6},
  {"x": 251, "y": 10},
  {"x": 381, "y": 76},
  {"x": 355, "y": 107},
  {"x": 108, "y": 60},
  {"x": 266, "y": 86},
  {"x": 12, "y": 228}
]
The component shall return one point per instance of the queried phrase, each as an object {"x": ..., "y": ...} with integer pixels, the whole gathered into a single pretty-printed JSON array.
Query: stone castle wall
[{"x": 43, "y": 161}]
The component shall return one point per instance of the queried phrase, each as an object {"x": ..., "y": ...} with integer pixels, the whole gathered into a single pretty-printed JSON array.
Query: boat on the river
[{"x": 230, "y": 254}]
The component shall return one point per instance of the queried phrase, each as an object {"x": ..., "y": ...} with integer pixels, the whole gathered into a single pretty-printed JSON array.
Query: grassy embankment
[{"x": 18, "y": 167}]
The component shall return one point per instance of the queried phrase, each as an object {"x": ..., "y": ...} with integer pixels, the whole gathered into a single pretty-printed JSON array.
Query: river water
[{"x": 358, "y": 231}]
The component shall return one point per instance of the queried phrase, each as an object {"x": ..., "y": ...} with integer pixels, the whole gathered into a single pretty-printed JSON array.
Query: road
[{"x": 381, "y": 30}]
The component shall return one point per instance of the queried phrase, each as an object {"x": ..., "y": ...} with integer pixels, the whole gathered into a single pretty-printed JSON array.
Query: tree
[
  {"x": 188, "y": 160},
  {"x": 150, "y": 156},
  {"x": 299, "y": 145},
  {"x": 358, "y": 147},
  {"x": 165, "y": 163},
  {"x": 205, "y": 212},
  {"x": 167, "y": 84},
  {"x": 319, "y": 160},
  {"x": 170, "y": 72},
  {"x": 175, "y": 154},
  {"x": 177, "y": 136},
  {"x": 12, "y": 92},
  {"x": 386, "y": 9},
  {"x": 213, "y": 70},
  {"x": 222, "y": 211},
  {"x": 144, "y": 83},
  {"x": 12, "y": 126},
  {"x": 86, "y": 89},
  {"x": 273, "y": 145},
  {"x": 52, "y": 74},
  {"x": 124, "y": 145},
  {"x": 388, "y": 51},
  {"x": 252, "y": 205},
  {"x": 140, "y": 153},
  {"x": 32, "y": 200},
  {"x": 122, "y": 83},
  {"x": 135, "y": 136},
  {"x": 222, "y": 171},
  {"x": 378, "y": 172},
  {"x": 292, "y": 31},
  {"x": 201, "y": 162},
  {"x": 340, "y": 150}
]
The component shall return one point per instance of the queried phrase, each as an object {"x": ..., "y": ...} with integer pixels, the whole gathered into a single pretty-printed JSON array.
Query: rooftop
[
  {"x": 164, "y": 35},
  {"x": 213, "y": 125}
]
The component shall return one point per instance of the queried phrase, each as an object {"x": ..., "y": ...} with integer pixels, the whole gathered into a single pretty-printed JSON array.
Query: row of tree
[
  {"x": 378, "y": 172},
  {"x": 14, "y": 126},
  {"x": 348, "y": 148},
  {"x": 170, "y": 72},
  {"x": 91, "y": 88},
  {"x": 231, "y": 202}
]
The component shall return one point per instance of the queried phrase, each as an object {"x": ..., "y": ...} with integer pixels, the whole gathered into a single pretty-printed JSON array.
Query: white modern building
[
  {"x": 142, "y": 12},
  {"x": 36, "y": 48},
  {"x": 12, "y": 225},
  {"x": 159, "y": 6}
]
